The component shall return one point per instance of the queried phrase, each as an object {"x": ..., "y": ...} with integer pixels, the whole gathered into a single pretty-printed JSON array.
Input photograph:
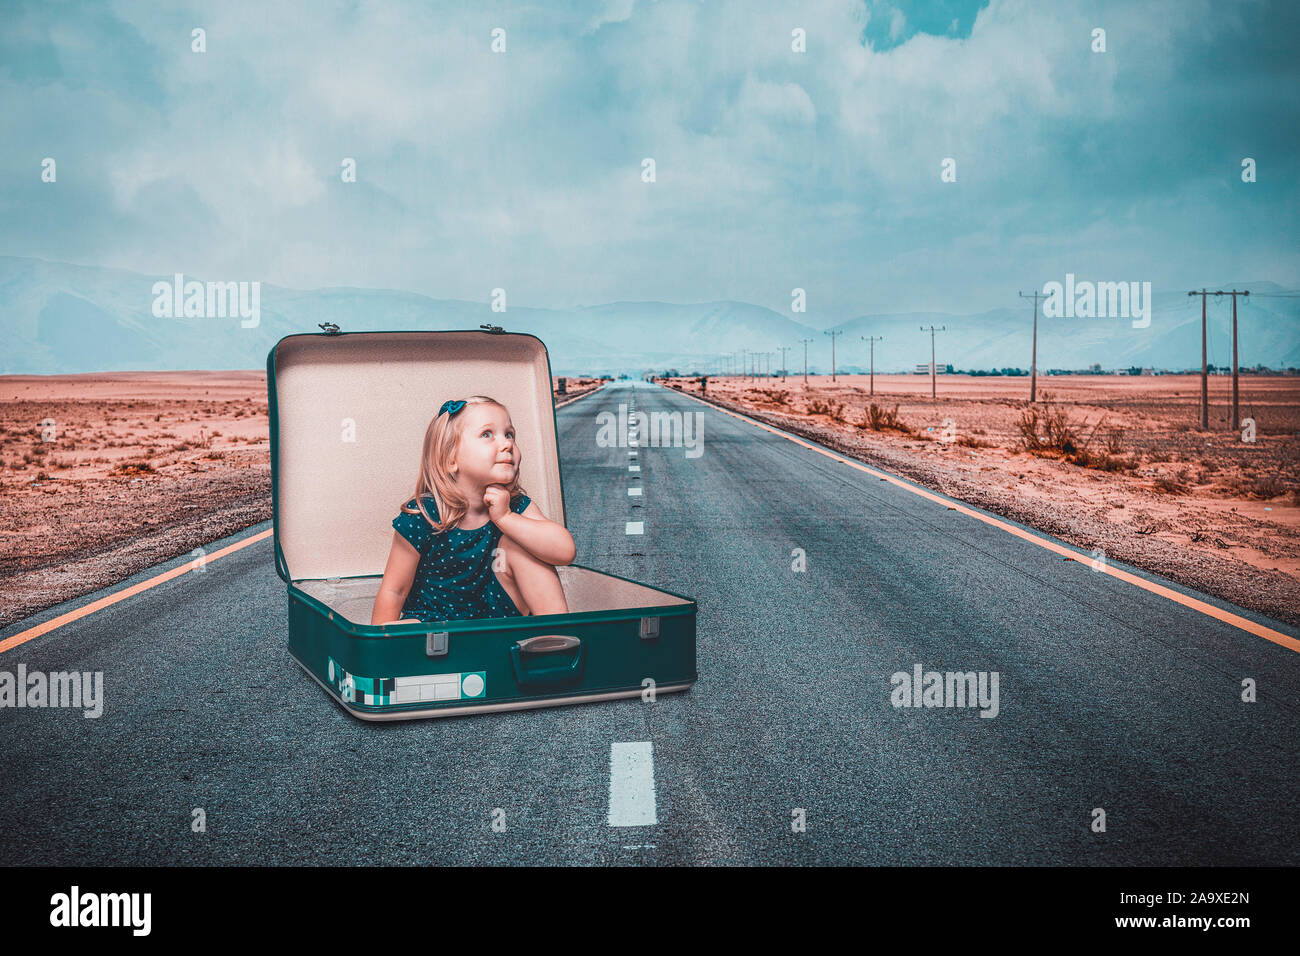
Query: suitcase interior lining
[
  {"x": 351, "y": 413},
  {"x": 584, "y": 590}
]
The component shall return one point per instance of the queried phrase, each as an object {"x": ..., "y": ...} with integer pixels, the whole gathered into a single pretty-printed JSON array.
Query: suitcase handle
[{"x": 547, "y": 644}]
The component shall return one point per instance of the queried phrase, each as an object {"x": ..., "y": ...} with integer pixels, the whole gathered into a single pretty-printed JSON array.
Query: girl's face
[{"x": 487, "y": 454}]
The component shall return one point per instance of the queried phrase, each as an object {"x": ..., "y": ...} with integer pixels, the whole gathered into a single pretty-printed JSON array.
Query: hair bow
[{"x": 452, "y": 406}]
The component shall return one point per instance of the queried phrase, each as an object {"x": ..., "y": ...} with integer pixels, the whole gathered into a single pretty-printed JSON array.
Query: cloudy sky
[{"x": 775, "y": 169}]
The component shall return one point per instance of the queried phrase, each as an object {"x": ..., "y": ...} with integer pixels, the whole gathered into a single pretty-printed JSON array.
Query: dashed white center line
[
  {"x": 633, "y": 467},
  {"x": 634, "y": 492},
  {"x": 632, "y": 785},
  {"x": 636, "y": 527}
]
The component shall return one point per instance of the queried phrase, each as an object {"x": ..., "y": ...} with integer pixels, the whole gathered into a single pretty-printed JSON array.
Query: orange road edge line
[
  {"x": 1227, "y": 617},
  {"x": 22, "y": 637}
]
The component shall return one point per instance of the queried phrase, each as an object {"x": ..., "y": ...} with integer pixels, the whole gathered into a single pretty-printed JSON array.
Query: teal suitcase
[{"x": 348, "y": 412}]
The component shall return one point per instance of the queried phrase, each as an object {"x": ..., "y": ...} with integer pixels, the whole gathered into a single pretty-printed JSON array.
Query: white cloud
[
  {"x": 896, "y": 23},
  {"x": 471, "y": 163},
  {"x": 614, "y": 11}
]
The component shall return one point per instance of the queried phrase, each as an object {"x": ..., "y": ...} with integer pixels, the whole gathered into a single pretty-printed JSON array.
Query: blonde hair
[{"x": 441, "y": 440}]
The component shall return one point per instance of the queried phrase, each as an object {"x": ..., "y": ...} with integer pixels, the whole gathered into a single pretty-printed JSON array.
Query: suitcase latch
[
  {"x": 435, "y": 645},
  {"x": 649, "y": 628},
  {"x": 494, "y": 329},
  {"x": 329, "y": 327}
]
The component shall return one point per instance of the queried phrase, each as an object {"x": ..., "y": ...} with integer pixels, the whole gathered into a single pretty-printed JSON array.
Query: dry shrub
[
  {"x": 777, "y": 396},
  {"x": 1175, "y": 484},
  {"x": 879, "y": 419},
  {"x": 133, "y": 468},
  {"x": 1028, "y": 428},
  {"x": 1051, "y": 434},
  {"x": 834, "y": 410},
  {"x": 1267, "y": 488}
]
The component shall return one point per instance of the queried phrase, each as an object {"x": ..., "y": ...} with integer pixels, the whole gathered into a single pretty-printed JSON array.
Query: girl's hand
[{"x": 497, "y": 501}]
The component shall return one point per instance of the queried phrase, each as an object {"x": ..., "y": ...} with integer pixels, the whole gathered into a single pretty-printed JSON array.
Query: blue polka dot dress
[{"x": 454, "y": 580}]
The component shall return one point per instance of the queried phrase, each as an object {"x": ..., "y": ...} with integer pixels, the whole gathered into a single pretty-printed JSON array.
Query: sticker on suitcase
[{"x": 422, "y": 688}]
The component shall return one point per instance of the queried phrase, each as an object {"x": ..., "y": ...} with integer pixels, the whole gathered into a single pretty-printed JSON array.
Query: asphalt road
[{"x": 1109, "y": 697}]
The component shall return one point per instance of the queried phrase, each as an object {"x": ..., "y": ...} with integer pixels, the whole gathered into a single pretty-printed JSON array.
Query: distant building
[{"x": 923, "y": 368}]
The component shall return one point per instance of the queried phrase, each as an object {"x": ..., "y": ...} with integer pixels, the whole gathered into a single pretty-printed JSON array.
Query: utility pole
[
  {"x": 1205, "y": 405},
  {"x": 932, "y": 330},
  {"x": 805, "y": 359},
  {"x": 832, "y": 335},
  {"x": 784, "y": 349},
  {"x": 873, "y": 339},
  {"x": 1236, "y": 421},
  {"x": 1033, "y": 356},
  {"x": 1205, "y": 370}
]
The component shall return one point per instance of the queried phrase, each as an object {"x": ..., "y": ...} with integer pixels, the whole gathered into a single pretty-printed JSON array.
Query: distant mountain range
[{"x": 62, "y": 318}]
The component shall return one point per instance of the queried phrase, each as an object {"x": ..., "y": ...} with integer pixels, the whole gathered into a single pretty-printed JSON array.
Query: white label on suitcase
[
  {"x": 422, "y": 688},
  {"x": 433, "y": 687}
]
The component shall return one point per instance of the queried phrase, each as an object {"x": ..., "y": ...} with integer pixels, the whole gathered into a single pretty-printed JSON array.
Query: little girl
[{"x": 442, "y": 566}]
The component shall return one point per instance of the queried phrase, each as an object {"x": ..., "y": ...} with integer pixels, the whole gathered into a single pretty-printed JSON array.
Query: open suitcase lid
[{"x": 348, "y": 413}]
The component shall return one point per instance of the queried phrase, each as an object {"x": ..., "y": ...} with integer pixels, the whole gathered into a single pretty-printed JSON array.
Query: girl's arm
[
  {"x": 399, "y": 574},
  {"x": 546, "y": 540}
]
